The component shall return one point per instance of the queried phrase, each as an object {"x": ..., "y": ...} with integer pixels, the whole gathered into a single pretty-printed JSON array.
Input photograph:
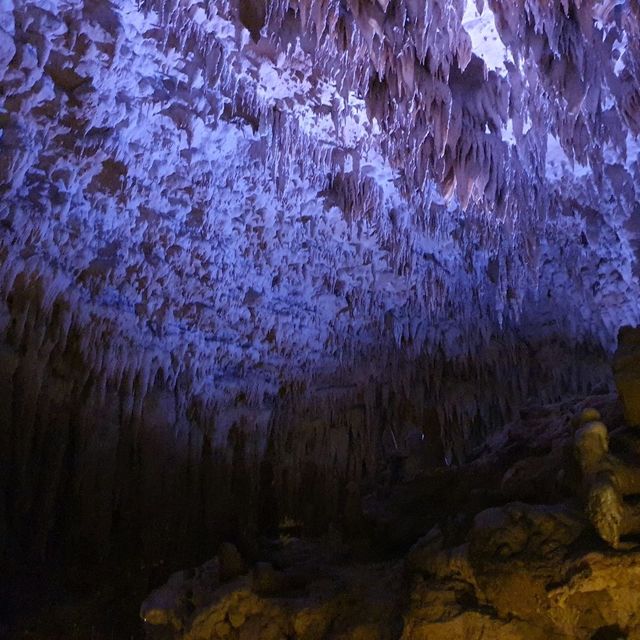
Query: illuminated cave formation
[{"x": 333, "y": 274}]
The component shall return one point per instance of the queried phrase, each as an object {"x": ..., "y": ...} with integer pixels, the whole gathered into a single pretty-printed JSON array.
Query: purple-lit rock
[{"x": 281, "y": 247}]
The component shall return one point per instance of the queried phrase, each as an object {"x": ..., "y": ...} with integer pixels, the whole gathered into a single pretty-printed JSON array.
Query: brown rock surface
[
  {"x": 626, "y": 371},
  {"x": 493, "y": 564}
]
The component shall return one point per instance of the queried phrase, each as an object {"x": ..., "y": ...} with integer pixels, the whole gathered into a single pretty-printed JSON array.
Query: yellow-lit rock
[{"x": 626, "y": 369}]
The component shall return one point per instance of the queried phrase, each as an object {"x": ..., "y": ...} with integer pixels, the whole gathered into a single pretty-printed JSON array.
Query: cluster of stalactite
[
  {"x": 109, "y": 454},
  {"x": 212, "y": 214}
]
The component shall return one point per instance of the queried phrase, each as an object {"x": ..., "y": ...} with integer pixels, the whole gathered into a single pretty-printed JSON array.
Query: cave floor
[{"x": 498, "y": 546}]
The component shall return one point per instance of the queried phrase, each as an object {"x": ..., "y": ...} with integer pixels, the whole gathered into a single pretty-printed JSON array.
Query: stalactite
[{"x": 356, "y": 193}]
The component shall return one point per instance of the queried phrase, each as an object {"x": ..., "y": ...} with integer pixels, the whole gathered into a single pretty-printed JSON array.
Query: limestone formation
[
  {"x": 509, "y": 571},
  {"x": 608, "y": 481},
  {"x": 626, "y": 371},
  {"x": 308, "y": 599},
  {"x": 291, "y": 267},
  {"x": 216, "y": 216}
]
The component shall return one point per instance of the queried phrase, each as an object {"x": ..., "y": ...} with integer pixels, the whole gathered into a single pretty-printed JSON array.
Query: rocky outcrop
[
  {"x": 611, "y": 483},
  {"x": 307, "y": 596},
  {"x": 513, "y": 570},
  {"x": 626, "y": 371},
  {"x": 523, "y": 574}
]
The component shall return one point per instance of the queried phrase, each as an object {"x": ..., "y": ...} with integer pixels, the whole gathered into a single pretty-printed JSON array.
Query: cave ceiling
[{"x": 267, "y": 191}]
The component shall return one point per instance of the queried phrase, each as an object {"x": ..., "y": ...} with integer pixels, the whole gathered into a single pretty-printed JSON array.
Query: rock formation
[
  {"x": 626, "y": 369},
  {"x": 258, "y": 257},
  {"x": 607, "y": 479},
  {"x": 490, "y": 566}
]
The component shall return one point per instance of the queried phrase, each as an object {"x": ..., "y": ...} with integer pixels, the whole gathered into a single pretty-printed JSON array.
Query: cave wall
[
  {"x": 246, "y": 255},
  {"x": 99, "y": 466}
]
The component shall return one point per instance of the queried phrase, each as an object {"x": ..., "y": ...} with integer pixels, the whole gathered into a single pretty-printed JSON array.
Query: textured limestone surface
[
  {"x": 626, "y": 371},
  {"x": 255, "y": 254},
  {"x": 249, "y": 193}
]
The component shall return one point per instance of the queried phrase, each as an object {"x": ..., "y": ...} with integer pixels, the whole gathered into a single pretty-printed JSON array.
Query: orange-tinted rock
[
  {"x": 514, "y": 571},
  {"x": 626, "y": 371}
]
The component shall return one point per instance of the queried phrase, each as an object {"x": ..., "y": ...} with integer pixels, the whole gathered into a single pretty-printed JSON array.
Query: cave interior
[{"x": 320, "y": 319}]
